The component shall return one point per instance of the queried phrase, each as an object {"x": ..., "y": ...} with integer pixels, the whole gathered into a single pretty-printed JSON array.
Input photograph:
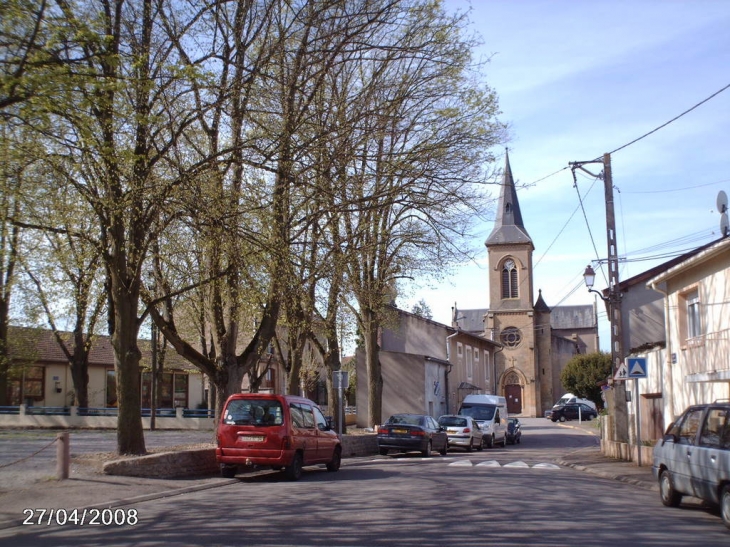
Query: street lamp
[{"x": 590, "y": 277}]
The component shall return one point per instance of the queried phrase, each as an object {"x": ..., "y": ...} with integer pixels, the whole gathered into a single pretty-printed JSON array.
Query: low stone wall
[
  {"x": 626, "y": 452},
  {"x": 167, "y": 465},
  {"x": 201, "y": 462},
  {"x": 359, "y": 445}
]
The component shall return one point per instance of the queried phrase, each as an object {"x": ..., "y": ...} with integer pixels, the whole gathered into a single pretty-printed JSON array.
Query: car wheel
[
  {"x": 518, "y": 440},
  {"x": 725, "y": 505},
  {"x": 334, "y": 465},
  {"x": 294, "y": 471},
  {"x": 471, "y": 442},
  {"x": 444, "y": 449},
  {"x": 553, "y": 419},
  {"x": 228, "y": 471},
  {"x": 383, "y": 451},
  {"x": 481, "y": 444},
  {"x": 562, "y": 419},
  {"x": 426, "y": 453},
  {"x": 670, "y": 497},
  {"x": 490, "y": 442}
]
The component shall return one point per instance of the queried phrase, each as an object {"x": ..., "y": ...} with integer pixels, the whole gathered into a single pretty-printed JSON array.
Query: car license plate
[
  {"x": 451, "y": 431},
  {"x": 400, "y": 431},
  {"x": 251, "y": 438}
]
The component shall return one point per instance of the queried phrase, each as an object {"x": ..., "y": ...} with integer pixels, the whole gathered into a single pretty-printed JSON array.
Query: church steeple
[{"x": 508, "y": 228}]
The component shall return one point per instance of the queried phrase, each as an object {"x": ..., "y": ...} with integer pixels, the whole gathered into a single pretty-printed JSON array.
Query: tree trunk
[
  {"x": 372, "y": 361},
  {"x": 80, "y": 378},
  {"x": 130, "y": 435}
]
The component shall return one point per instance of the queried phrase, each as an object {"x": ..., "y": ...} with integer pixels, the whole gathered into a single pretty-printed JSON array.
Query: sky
[{"x": 576, "y": 80}]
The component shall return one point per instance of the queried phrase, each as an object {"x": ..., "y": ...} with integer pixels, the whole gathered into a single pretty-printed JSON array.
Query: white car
[
  {"x": 693, "y": 458},
  {"x": 463, "y": 432}
]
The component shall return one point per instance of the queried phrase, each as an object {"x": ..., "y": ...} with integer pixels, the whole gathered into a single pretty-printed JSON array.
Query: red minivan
[{"x": 278, "y": 431}]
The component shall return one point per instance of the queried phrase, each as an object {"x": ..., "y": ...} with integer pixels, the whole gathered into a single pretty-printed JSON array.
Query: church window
[
  {"x": 509, "y": 279},
  {"x": 511, "y": 337}
]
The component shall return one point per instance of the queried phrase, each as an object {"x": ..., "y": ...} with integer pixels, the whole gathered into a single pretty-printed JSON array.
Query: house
[
  {"x": 676, "y": 317},
  {"x": 427, "y": 367},
  {"x": 41, "y": 375},
  {"x": 696, "y": 364}
]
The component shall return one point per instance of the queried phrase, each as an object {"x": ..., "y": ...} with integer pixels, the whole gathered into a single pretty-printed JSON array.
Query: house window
[
  {"x": 476, "y": 362},
  {"x": 509, "y": 279},
  {"x": 173, "y": 390},
  {"x": 486, "y": 368},
  {"x": 469, "y": 364},
  {"x": 26, "y": 384},
  {"x": 459, "y": 353},
  {"x": 694, "y": 327},
  {"x": 111, "y": 388}
]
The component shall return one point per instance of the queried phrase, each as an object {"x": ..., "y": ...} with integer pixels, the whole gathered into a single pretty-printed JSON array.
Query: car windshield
[
  {"x": 452, "y": 421},
  {"x": 478, "y": 412},
  {"x": 406, "y": 419},
  {"x": 258, "y": 412}
]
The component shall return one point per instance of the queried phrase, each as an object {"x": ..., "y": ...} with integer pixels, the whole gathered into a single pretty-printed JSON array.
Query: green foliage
[
  {"x": 584, "y": 373},
  {"x": 422, "y": 309}
]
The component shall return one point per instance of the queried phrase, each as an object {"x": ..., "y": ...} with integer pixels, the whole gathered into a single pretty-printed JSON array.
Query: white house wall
[{"x": 698, "y": 368}]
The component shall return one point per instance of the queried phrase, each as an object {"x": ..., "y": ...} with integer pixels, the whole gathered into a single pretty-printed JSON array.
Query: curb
[{"x": 612, "y": 476}]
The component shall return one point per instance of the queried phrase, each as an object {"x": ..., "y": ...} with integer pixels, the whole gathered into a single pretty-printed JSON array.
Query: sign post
[
  {"x": 636, "y": 368},
  {"x": 340, "y": 381}
]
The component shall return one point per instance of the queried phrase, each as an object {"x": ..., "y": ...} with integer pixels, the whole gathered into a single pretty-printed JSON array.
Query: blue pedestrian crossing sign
[{"x": 636, "y": 367}]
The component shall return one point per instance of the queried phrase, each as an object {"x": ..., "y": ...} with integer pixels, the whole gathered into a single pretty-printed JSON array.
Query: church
[{"x": 537, "y": 341}]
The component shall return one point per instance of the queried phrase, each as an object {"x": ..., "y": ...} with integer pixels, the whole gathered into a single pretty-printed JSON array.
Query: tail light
[
  {"x": 383, "y": 430},
  {"x": 467, "y": 430},
  {"x": 418, "y": 433}
]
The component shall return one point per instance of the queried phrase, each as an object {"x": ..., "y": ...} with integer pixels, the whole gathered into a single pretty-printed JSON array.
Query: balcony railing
[{"x": 707, "y": 353}]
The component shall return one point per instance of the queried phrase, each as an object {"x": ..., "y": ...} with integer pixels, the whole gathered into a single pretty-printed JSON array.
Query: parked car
[
  {"x": 409, "y": 432},
  {"x": 570, "y": 411},
  {"x": 278, "y": 431},
  {"x": 514, "y": 432},
  {"x": 693, "y": 458},
  {"x": 463, "y": 432},
  {"x": 490, "y": 412}
]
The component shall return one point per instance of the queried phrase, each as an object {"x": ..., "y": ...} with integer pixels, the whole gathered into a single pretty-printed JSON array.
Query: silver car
[
  {"x": 693, "y": 458},
  {"x": 463, "y": 432}
]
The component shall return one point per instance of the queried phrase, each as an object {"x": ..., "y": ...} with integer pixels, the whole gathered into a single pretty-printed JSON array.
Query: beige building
[
  {"x": 427, "y": 367},
  {"x": 696, "y": 365},
  {"x": 41, "y": 374},
  {"x": 538, "y": 340}
]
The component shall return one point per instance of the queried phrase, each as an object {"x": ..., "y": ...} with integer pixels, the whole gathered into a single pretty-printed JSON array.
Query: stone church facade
[{"x": 537, "y": 341}]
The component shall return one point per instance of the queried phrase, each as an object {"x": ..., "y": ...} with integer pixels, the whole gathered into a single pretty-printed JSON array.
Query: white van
[
  {"x": 570, "y": 398},
  {"x": 490, "y": 412}
]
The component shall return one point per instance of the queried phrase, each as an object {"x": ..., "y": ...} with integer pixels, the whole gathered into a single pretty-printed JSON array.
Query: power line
[
  {"x": 670, "y": 121},
  {"x": 667, "y": 190}
]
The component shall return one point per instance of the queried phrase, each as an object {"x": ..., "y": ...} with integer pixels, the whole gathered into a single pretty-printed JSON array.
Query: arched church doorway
[{"x": 513, "y": 393}]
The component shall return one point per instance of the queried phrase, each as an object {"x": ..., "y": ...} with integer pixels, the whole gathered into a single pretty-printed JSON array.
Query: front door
[{"x": 513, "y": 393}]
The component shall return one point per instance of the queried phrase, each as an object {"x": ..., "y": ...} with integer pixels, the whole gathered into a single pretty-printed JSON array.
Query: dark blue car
[{"x": 411, "y": 432}]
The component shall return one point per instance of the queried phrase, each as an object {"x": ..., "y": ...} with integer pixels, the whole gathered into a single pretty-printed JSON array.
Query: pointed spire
[
  {"x": 540, "y": 305},
  {"x": 508, "y": 227}
]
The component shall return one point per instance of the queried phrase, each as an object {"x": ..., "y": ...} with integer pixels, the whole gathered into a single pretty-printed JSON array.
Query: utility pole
[
  {"x": 619, "y": 406},
  {"x": 621, "y": 418}
]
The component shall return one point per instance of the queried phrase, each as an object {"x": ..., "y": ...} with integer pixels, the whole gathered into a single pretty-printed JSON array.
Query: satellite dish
[
  {"x": 724, "y": 225},
  {"x": 722, "y": 202}
]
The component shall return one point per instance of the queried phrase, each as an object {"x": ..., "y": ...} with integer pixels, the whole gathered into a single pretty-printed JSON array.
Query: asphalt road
[{"x": 505, "y": 496}]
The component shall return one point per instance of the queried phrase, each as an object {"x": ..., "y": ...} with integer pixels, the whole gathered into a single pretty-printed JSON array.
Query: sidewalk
[
  {"x": 590, "y": 460},
  {"x": 87, "y": 488}
]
